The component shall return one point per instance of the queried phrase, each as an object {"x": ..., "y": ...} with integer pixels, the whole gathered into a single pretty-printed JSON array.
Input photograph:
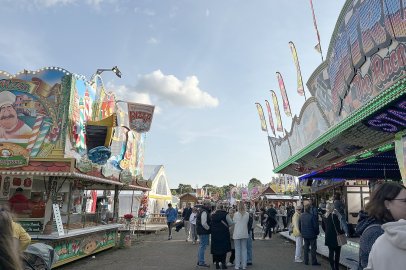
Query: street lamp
[{"x": 114, "y": 69}]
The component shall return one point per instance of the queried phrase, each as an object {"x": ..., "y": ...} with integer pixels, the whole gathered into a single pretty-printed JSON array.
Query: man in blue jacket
[
  {"x": 171, "y": 215},
  {"x": 309, "y": 228}
]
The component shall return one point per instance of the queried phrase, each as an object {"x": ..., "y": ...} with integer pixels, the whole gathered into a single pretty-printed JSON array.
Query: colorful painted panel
[
  {"x": 367, "y": 54},
  {"x": 70, "y": 248},
  {"x": 33, "y": 112}
]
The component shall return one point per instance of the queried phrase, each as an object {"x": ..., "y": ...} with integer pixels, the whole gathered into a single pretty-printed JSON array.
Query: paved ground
[{"x": 156, "y": 252}]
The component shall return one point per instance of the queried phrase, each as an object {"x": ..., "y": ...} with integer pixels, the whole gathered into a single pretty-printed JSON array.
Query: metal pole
[{"x": 132, "y": 200}]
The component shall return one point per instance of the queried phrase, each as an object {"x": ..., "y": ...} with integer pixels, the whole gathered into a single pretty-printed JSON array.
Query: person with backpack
[
  {"x": 203, "y": 222},
  {"x": 379, "y": 213}
]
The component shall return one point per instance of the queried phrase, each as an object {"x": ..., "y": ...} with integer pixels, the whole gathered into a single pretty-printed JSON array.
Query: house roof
[{"x": 151, "y": 171}]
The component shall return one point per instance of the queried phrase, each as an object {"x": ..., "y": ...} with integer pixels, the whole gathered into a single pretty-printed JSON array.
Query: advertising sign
[
  {"x": 140, "y": 116},
  {"x": 367, "y": 55}
]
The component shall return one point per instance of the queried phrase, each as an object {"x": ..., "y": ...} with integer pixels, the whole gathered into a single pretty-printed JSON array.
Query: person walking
[
  {"x": 192, "y": 221},
  {"x": 309, "y": 228},
  {"x": 10, "y": 253},
  {"x": 296, "y": 233},
  {"x": 240, "y": 236},
  {"x": 220, "y": 236},
  {"x": 250, "y": 237},
  {"x": 171, "y": 215},
  {"x": 270, "y": 221},
  {"x": 187, "y": 211},
  {"x": 231, "y": 212},
  {"x": 331, "y": 227},
  {"x": 203, "y": 223},
  {"x": 384, "y": 206},
  {"x": 389, "y": 250},
  {"x": 340, "y": 207}
]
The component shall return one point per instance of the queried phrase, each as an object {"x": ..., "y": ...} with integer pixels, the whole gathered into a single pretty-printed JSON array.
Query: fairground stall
[
  {"x": 66, "y": 150},
  {"x": 350, "y": 133}
]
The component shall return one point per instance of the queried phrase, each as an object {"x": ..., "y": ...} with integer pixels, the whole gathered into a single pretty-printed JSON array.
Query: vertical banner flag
[
  {"x": 270, "y": 117},
  {"x": 279, "y": 126},
  {"x": 140, "y": 116},
  {"x": 318, "y": 45},
  {"x": 300, "y": 88},
  {"x": 285, "y": 100},
  {"x": 261, "y": 117}
]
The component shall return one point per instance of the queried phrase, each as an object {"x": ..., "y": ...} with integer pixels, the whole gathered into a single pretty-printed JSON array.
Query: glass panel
[
  {"x": 354, "y": 206},
  {"x": 353, "y": 189}
]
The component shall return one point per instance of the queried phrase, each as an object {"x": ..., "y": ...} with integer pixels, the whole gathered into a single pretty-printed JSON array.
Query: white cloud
[
  {"x": 149, "y": 12},
  {"x": 207, "y": 12},
  {"x": 21, "y": 54},
  {"x": 187, "y": 136},
  {"x": 129, "y": 94},
  {"x": 50, "y": 3},
  {"x": 153, "y": 41},
  {"x": 181, "y": 93}
]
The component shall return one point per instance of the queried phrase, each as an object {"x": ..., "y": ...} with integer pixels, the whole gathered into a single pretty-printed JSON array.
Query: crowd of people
[{"x": 381, "y": 224}]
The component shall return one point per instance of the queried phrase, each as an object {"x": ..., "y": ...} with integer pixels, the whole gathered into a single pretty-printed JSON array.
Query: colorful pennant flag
[
  {"x": 285, "y": 100},
  {"x": 279, "y": 126},
  {"x": 318, "y": 46},
  {"x": 300, "y": 88},
  {"x": 261, "y": 117},
  {"x": 270, "y": 117}
]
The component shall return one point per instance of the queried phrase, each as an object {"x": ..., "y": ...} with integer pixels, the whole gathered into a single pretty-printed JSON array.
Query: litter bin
[{"x": 125, "y": 239}]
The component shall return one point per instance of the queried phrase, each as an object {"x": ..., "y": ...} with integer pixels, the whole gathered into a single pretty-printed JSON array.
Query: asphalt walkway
[{"x": 154, "y": 251}]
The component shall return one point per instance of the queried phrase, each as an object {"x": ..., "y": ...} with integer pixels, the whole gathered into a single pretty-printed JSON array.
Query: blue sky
[{"x": 203, "y": 64}]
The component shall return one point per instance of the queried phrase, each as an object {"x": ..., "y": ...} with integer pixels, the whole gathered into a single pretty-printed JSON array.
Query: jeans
[
  {"x": 268, "y": 230},
  {"x": 313, "y": 244},
  {"x": 204, "y": 242},
  {"x": 187, "y": 229},
  {"x": 334, "y": 257},
  {"x": 170, "y": 225},
  {"x": 240, "y": 252},
  {"x": 193, "y": 232},
  {"x": 299, "y": 245},
  {"x": 249, "y": 247}
]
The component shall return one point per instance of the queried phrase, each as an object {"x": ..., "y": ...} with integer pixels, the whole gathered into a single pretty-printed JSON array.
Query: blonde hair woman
[{"x": 240, "y": 236}]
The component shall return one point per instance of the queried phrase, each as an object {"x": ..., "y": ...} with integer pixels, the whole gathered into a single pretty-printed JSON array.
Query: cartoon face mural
[{"x": 33, "y": 110}]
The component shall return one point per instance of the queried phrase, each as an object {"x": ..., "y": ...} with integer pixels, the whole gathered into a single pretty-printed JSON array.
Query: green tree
[
  {"x": 254, "y": 182},
  {"x": 183, "y": 188}
]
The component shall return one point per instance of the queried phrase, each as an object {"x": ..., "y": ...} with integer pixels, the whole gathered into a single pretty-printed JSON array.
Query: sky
[{"x": 202, "y": 63}]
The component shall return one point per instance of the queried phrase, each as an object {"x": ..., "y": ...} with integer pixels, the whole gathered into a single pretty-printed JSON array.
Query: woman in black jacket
[
  {"x": 331, "y": 227},
  {"x": 220, "y": 236}
]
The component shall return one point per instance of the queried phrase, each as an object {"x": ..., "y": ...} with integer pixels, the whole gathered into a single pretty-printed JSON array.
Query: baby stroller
[{"x": 39, "y": 256}]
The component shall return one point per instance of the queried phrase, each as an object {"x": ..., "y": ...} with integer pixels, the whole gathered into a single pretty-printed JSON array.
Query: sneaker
[
  {"x": 298, "y": 261},
  {"x": 205, "y": 265},
  {"x": 229, "y": 264}
]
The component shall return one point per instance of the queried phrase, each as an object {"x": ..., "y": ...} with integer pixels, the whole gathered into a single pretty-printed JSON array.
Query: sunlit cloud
[
  {"x": 153, "y": 41},
  {"x": 168, "y": 88}
]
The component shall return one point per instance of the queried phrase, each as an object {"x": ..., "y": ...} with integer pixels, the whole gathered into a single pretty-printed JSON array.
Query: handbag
[{"x": 341, "y": 238}]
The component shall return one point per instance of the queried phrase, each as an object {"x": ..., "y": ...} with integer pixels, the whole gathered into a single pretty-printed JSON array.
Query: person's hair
[
  {"x": 241, "y": 207},
  {"x": 376, "y": 206},
  {"x": 307, "y": 208},
  {"x": 329, "y": 209},
  {"x": 19, "y": 190},
  {"x": 9, "y": 258},
  {"x": 169, "y": 204},
  {"x": 219, "y": 206}
]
